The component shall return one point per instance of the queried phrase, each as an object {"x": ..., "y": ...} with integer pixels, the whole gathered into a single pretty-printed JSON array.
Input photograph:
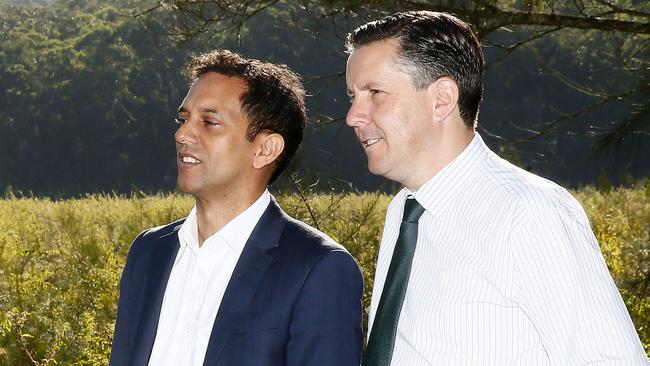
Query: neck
[
  {"x": 447, "y": 144},
  {"x": 217, "y": 210}
]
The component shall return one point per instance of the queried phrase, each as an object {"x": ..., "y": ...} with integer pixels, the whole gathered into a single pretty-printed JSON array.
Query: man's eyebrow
[
  {"x": 209, "y": 110},
  {"x": 371, "y": 85},
  {"x": 368, "y": 86},
  {"x": 204, "y": 109}
]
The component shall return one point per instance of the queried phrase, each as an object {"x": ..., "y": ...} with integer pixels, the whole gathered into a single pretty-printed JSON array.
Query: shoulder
[
  {"x": 315, "y": 258},
  {"x": 305, "y": 246},
  {"x": 307, "y": 239},
  {"x": 162, "y": 230},
  {"x": 535, "y": 200},
  {"x": 526, "y": 188},
  {"x": 148, "y": 238}
]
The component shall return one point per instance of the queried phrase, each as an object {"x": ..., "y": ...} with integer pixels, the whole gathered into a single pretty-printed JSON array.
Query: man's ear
[
  {"x": 444, "y": 92},
  {"x": 269, "y": 147}
]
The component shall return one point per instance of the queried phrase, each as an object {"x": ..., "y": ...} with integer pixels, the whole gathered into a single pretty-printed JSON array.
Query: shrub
[{"x": 60, "y": 261}]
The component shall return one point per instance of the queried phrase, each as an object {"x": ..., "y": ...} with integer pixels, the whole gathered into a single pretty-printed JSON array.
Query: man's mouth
[
  {"x": 370, "y": 142},
  {"x": 188, "y": 159}
]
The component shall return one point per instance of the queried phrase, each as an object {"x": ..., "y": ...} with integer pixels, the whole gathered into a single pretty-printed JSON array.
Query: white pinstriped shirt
[{"x": 506, "y": 272}]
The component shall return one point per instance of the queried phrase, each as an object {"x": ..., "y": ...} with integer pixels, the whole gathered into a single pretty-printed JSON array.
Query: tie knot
[{"x": 412, "y": 210}]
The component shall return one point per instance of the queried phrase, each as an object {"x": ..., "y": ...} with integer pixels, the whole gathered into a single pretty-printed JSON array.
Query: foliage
[
  {"x": 83, "y": 92},
  {"x": 60, "y": 265},
  {"x": 88, "y": 88},
  {"x": 60, "y": 261},
  {"x": 620, "y": 219},
  {"x": 561, "y": 76}
]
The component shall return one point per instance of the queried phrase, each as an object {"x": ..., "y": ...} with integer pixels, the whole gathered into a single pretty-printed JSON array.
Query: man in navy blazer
[{"x": 238, "y": 282}]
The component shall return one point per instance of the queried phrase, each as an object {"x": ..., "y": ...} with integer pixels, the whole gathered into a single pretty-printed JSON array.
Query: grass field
[{"x": 60, "y": 261}]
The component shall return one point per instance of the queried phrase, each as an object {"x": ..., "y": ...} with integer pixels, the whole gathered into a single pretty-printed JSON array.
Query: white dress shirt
[
  {"x": 506, "y": 272},
  {"x": 196, "y": 286}
]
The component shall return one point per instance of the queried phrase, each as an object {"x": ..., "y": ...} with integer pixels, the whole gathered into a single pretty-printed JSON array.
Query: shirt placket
[{"x": 194, "y": 302}]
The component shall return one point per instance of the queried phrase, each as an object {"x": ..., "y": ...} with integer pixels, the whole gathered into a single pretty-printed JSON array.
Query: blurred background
[{"x": 89, "y": 89}]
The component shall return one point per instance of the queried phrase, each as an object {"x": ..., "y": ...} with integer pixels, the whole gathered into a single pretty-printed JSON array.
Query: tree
[
  {"x": 87, "y": 88},
  {"x": 595, "y": 52},
  {"x": 86, "y": 96}
]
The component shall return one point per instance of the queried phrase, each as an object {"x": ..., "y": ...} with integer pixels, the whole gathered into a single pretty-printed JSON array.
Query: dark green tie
[{"x": 382, "y": 336}]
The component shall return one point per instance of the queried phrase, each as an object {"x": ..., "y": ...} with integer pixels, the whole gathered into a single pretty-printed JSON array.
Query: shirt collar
[
  {"x": 440, "y": 190},
  {"x": 188, "y": 234},
  {"x": 235, "y": 233}
]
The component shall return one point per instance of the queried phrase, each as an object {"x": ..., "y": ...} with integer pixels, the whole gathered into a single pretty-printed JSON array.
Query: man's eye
[
  {"x": 180, "y": 121},
  {"x": 375, "y": 91},
  {"x": 210, "y": 123},
  {"x": 351, "y": 97}
]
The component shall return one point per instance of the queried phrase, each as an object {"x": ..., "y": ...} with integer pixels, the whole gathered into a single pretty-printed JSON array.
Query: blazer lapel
[
  {"x": 246, "y": 277},
  {"x": 160, "y": 266}
]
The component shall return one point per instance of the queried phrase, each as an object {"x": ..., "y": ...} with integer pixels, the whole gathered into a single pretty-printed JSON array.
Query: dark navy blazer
[{"x": 294, "y": 298}]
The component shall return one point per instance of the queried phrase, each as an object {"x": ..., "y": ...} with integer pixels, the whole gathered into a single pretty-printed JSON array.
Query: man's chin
[
  {"x": 185, "y": 187},
  {"x": 375, "y": 169},
  {"x": 382, "y": 171}
]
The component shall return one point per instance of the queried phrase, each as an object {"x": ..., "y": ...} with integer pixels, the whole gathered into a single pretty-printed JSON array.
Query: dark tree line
[
  {"x": 84, "y": 93},
  {"x": 619, "y": 28},
  {"x": 88, "y": 88}
]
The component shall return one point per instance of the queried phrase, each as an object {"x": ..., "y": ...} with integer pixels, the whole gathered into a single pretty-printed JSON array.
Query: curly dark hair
[
  {"x": 432, "y": 45},
  {"x": 274, "y": 100}
]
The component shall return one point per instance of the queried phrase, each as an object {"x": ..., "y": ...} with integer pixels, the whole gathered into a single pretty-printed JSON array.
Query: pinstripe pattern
[{"x": 506, "y": 272}]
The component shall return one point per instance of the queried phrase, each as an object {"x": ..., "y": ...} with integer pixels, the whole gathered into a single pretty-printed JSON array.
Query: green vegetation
[
  {"x": 83, "y": 86},
  {"x": 621, "y": 221},
  {"x": 60, "y": 261}
]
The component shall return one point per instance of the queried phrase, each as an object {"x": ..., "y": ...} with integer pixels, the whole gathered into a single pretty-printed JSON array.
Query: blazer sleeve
[
  {"x": 325, "y": 326},
  {"x": 122, "y": 337}
]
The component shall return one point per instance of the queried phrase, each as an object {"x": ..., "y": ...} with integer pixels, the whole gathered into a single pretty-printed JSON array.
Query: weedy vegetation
[{"x": 60, "y": 261}]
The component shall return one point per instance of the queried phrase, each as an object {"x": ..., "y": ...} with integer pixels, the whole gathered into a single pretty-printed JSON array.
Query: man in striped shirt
[{"x": 503, "y": 268}]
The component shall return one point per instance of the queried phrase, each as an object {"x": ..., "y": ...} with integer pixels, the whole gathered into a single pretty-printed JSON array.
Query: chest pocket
[{"x": 256, "y": 324}]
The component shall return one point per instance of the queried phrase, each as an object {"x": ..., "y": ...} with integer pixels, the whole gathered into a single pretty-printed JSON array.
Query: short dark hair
[
  {"x": 432, "y": 45},
  {"x": 273, "y": 101}
]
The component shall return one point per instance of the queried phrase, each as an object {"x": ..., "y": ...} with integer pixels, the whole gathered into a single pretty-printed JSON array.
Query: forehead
[
  {"x": 372, "y": 62},
  {"x": 217, "y": 89}
]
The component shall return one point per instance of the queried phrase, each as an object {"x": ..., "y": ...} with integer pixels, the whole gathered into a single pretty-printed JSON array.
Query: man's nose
[
  {"x": 358, "y": 114},
  {"x": 186, "y": 133}
]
